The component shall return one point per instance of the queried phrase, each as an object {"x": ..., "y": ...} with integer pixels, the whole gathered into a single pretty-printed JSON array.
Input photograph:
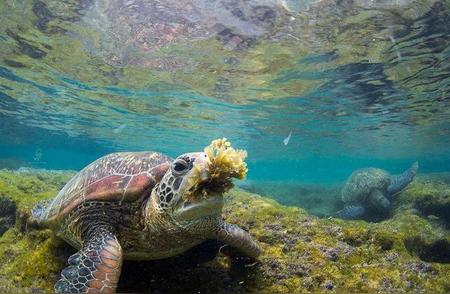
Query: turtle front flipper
[
  {"x": 95, "y": 268},
  {"x": 238, "y": 238},
  {"x": 350, "y": 212},
  {"x": 399, "y": 182}
]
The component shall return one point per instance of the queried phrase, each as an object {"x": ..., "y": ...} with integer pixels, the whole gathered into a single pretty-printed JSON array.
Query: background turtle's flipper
[
  {"x": 95, "y": 268},
  {"x": 399, "y": 182},
  {"x": 350, "y": 212},
  {"x": 238, "y": 238},
  {"x": 378, "y": 200}
]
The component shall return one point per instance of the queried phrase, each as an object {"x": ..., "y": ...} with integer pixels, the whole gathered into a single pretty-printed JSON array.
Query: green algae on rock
[
  {"x": 430, "y": 195},
  {"x": 300, "y": 252}
]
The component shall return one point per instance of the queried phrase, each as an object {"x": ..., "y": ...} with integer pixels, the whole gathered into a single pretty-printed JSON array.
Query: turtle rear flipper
[
  {"x": 399, "y": 182},
  {"x": 350, "y": 212},
  {"x": 95, "y": 268}
]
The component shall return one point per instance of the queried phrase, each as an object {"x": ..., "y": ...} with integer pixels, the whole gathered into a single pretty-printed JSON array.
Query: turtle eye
[{"x": 179, "y": 166}]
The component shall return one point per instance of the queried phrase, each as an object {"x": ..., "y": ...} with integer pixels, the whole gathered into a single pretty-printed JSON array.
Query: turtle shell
[
  {"x": 362, "y": 182},
  {"x": 121, "y": 177}
]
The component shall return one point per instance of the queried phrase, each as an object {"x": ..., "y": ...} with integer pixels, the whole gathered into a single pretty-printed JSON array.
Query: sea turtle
[
  {"x": 372, "y": 188},
  {"x": 137, "y": 206}
]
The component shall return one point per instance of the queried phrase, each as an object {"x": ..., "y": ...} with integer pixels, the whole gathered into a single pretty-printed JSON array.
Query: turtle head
[{"x": 188, "y": 192}]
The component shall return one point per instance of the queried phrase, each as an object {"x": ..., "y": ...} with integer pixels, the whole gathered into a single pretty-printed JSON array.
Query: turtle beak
[
  {"x": 198, "y": 200},
  {"x": 199, "y": 175},
  {"x": 205, "y": 175},
  {"x": 209, "y": 185},
  {"x": 203, "y": 165}
]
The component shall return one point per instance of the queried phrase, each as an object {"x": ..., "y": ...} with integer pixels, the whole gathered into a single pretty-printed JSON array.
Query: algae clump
[{"x": 227, "y": 162}]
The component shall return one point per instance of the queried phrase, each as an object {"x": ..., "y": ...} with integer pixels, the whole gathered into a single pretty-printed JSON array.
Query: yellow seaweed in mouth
[{"x": 226, "y": 163}]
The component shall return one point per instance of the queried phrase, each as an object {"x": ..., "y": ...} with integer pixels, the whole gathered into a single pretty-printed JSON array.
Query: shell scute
[
  {"x": 123, "y": 177},
  {"x": 112, "y": 187},
  {"x": 362, "y": 182}
]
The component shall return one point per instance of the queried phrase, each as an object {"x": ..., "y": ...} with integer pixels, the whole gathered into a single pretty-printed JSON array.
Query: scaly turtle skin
[
  {"x": 137, "y": 206},
  {"x": 372, "y": 188}
]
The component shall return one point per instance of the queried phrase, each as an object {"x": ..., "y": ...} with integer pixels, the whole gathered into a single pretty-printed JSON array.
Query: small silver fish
[
  {"x": 286, "y": 140},
  {"x": 38, "y": 154},
  {"x": 119, "y": 129}
]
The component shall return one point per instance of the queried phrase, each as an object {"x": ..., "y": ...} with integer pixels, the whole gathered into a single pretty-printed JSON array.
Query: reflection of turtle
[
  {"x": 137, "y": 206},
  {"x": 372, "y": 188}
]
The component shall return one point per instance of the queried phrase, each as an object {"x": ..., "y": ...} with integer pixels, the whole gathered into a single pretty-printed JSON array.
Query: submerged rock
[
  {"x": 430, "y": 196},
  {"x": 300, "y": 252},
  {"x": 436, "y": 250},
  {"x": 7, "y": 214}
]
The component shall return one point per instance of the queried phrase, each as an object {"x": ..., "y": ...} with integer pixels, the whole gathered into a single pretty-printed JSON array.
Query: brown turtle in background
[{"x": 138, "y": 206}]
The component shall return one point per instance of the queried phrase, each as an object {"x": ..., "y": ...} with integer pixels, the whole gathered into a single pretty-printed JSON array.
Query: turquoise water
[{"x": 356, "y": 83}]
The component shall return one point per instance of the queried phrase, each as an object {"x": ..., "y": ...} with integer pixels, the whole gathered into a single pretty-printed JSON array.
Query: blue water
[{"x": 358, "y": 84}]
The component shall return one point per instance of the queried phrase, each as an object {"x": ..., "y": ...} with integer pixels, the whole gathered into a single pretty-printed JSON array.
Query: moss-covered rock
[
  {"x": 430, "y": 196},
  {"x": 7, "y": 214},
  {"x": 300, "y": 252}
]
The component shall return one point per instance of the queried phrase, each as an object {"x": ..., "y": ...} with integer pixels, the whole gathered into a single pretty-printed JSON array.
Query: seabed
[{"x": 301, "y": 253}]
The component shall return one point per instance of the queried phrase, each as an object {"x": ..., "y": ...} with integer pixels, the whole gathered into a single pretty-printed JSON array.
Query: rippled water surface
[{"x": 356, "y": 83}]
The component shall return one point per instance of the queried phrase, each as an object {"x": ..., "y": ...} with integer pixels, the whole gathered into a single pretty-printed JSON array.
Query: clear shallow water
[{"x": 362, "y": 83}]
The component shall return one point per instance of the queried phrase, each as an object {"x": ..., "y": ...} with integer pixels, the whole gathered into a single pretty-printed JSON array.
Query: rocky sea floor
[{"x": 410, "y": 251}]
